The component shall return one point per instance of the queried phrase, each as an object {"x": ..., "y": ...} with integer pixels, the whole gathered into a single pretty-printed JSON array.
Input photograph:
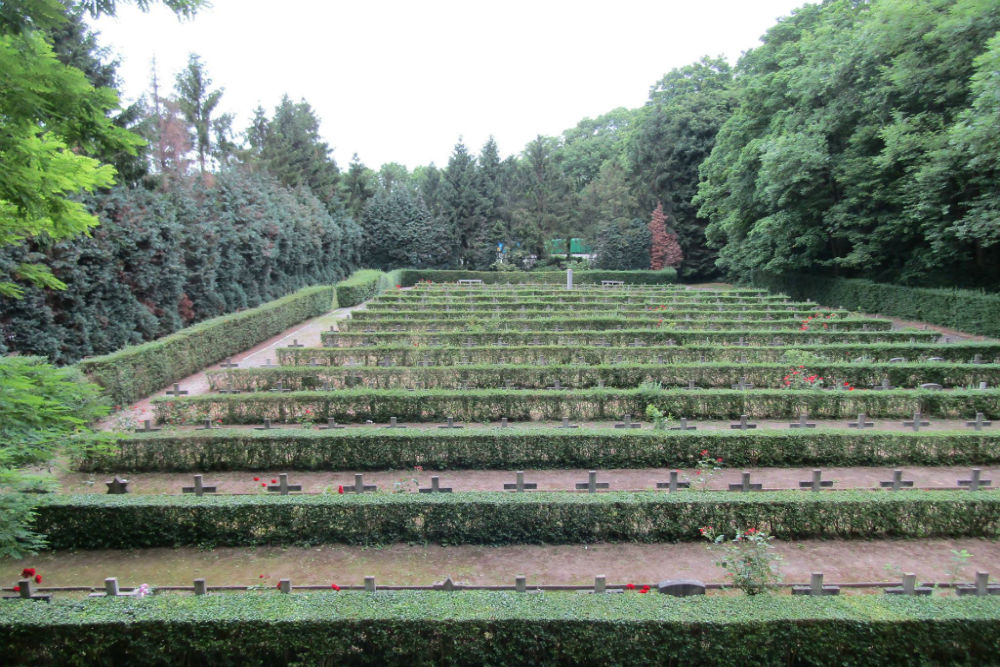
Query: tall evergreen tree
[
  {"x": 462, "y": 208},
  {"x": 197, "y": 102}
]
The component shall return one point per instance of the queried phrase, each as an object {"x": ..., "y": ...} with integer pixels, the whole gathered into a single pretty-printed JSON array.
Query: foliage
[
  {"x": 664, "y": 250},
  {"x": 99, "y": 521},
  {"x": 748, "y": 559},
  {"x": 622, "y": 244},
  {"x": 399, "y": 231},
  {"x": 137, "y": 371},
  {"x": 410, "y": 277},
  {"x": 197, "y": 102}
]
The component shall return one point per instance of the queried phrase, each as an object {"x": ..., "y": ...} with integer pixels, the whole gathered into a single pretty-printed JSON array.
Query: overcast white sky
[{"x": 401, "y": 81}]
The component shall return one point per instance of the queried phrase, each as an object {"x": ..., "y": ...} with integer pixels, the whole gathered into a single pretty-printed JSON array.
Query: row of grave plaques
[
  {"x": 743, "y": 424},
  {"x": 675, "y": 587},
  {"x": 816, "y": 483}
]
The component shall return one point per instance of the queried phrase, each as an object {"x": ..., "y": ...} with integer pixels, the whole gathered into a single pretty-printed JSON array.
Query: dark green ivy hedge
[
  {"x": 410, "y": 277},
  {"x": 476, "y": 628},
  {"x": 95, "y": 521},
  {"x": 376, "y": 448}
]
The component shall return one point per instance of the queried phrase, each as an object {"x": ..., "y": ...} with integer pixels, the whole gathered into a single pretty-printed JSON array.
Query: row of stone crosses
[{"x": 282, "y": 487}]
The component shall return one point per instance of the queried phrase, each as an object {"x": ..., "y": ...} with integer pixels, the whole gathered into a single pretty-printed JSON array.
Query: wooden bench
[
  {"x": 470, "y": 282},
  {"x": 612, "y": 283}
]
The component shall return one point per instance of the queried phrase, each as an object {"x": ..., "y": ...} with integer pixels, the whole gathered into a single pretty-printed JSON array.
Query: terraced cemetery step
[
  {"x": 358, "y": 405},
  {"x": 418, "y": 311},
  {"x": 678, "y": 335},
  {"x": 595, "y": 323},
  {"x": 544, "y": 375},
  {"x": 569, "y": 351}
]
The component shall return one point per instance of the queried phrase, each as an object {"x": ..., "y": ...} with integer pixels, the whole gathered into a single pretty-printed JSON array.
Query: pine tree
[{"x": 665, "y": 250}]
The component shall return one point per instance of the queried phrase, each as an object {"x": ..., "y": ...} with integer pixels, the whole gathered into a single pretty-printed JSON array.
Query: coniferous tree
[{"x": 197, "y": 102}]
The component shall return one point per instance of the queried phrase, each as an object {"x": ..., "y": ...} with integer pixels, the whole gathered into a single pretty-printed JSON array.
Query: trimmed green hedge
[
  {"x": 363, "y": 285},
  {"x": 485, "y": 405},
  {"x": 376, "y": 448},
  {"x": 475, "y": 628},
  {"x": 515, "y": 321},
  {"x": 140, "y": 370},
  {"x": 410, "y": 355},
  {"x": 965, "y": 310},
  {"x": 95, "y": 521},
  {"x": 413, "y": 276}
]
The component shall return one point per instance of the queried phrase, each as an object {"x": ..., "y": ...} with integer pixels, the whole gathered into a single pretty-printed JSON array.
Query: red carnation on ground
[
  {"x": 256, "y": 479},
  {"x": 28, "y": 572},
  {"x": 335, "y": 587},
  {"x": 38, "y": 578},
  {"x": 630, "y": 587},
  {"x": 340, "y": 489},
  {"x": 274, "y": 481}
]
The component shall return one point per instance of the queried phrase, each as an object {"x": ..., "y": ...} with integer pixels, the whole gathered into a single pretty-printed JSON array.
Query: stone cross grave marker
[
  {"x": 26, "y": 591},
  {"x": 744, "y": 424},
  {"x": 683, "y": 426},
  {"x": 147, "y": 427},
  {"x": 394, "y": 424},
  {"x": 566, "y": 424},
  {"x": 451, "y": 424},
  {"x": 909, "y": 587},
  {"x": 745, "y": 485},
  {"x": 917, "y": 421},
  {"x": 674, "y": 484},
  {"x": 979, "y": 422},
  {"x": 817, "y": 482},
  {"x": 295, "y": 343},
  {"x": 980, "y": 588},
  {"x": 627, "y": 422},
  {"x": 112, "y": 590},
  {"x": 359, "y": 485},
  {"x": 117, "y": 486},
  {"x": 742, "y": 385},
  {"x": 266, "y": 427},
  {"x": 861, "y": 424},
  {"x": 199, "y": 488},
  {"x": 556, "y": 385},
  {"x": 975, "y": 481},
  {"x": 228, "y": 363},
  {"x": 519, "y": 484},
  {"x": 977, "y": 359},
  {"x": 331, "y": 424},
  {"x": 176, "y": 391},
  {"x": 884, "y": 386},
  {"x": 283, "y": 487},
  {"x": 279, "y": 387},
  {"x": 802, "y": 423},
  {"x": 436, "y": 487},
  {"x": 690, "y": 385},
  {"x": 267, "y": 364},
  {"x": 636, "y": 343},
  {"x": 503, "y": 423},
  {"x": 897, "y": 482},
  {"x": 592, "y": 485},
  {"x": 816, "y": 587}
]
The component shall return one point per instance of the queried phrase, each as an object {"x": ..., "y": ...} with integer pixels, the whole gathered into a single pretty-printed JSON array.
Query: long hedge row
[
  {"x": 965, "y": 310},
  {"x": 578, "y": 376},
  {"x": 473, "y": 628},
  {"x": 95, "y": 521},
  {"x": 363, "y": 285},
  {"x": 485, "y": 405},
  {"x": 140, "y": 370},
  {"x": 413, "y": 276},
  {"x": 410, "y": 355},
  {"x": 601, "y": 323},
  {"x": 418, "y": 311},
  {"x": 392, "y": 299},
  {"x": 377, "y": 448},
  {"x": 620, "y": 337}
]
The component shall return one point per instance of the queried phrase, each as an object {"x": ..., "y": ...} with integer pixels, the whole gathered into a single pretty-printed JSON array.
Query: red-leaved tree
[{"x": 665, "y": 250}]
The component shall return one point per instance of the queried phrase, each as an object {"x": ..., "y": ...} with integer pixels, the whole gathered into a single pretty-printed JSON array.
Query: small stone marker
[
  {"x": 503, "y": 423},
  {"x": 176, "y": 391},
  {"x": 266, "y": 427},
  {"x": 681, "y": 587},
  {"x": 683, "y": 426},
  {"x": 436, "y": 487},
  {"x": 627, "y": 422},
  {"x": 817, "y": 482},
  {"x": 973, "y": 483},
  {"x": 884, "y": 386},
  {"x": 933, "y": 386},
  {"x": 673, "y": 484},
  {"x": 556, "y": 385},
  {"x": 267, "y": 364},
  {"x": 394, "y": 424},
  {"x": 566, "y": 424},
  {"x": 331, "y": 424},
  {"x": 147, "y": 427},
  {"x": 898, "y": 360},
  {"x": 112, "y": 590},
  {"x": 636, "y": 343},
  {"x": 897, "y": 482},
  {"x": 909, "y": 587},
  {"x": 283, "y": 487},
  {"x": 199, "y": 488},
  {"x": 979, "y": 422},
  {"x": 744, "y": 424},
  {"x": 742, "y": 385},
  {"x": 917, "y": 421},
  {"x": 861, "y": 424},
  {"x": 26, "y": 591},
  {"x": 451, "y": 424},
  {"x": 359, "y": 485},
  {"x": 978, "y": 359},
  {"x": 981, "y": 587},
  {"x": 279, "y": 387},
  {"x": 200, "y": 587},
  {"x": 207, "y": 426},
  {"x": 592, "y": 485},
  {"x": 117, "y": 486},
  {"x": 228, "y": 363},
  {"x": 816, "y": 587},
  {"x": 690, "y": 385},
  {"x": 285, "y": 586},
  {"x": 745, "y": 486},
  {"x": 370, "y": 585},
  {"x": 520, "y": 485},
  {"x": 935, "y": 358},
  {"x": 802, "y": 423},
  {"x": 600, "y": 583},
  {"x": 521, "y": 583}
]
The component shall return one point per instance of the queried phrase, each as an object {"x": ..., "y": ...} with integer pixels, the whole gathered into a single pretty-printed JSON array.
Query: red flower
[
  {"x": 256, "y": 479},
  {"x": 38, "y": 578},
  {"x": 630, "y": 587},
  {"x": 261, "y": 576},
  {"x": 335, "y": 587},
  {"x": 278, "y": 586},
  {"x": 704, "y": 452},
  {"x": 399, "y": 286},
  {"x": 719, "y": 460},
  {"x": 28, "y": 572},
  {"x": 263, "y": 483},
  {"x": 340, "y": 489},
  {"x": 645, "y": 589},
  {"x": 850, "y": 389},
  {"x": 17, "y": 589},
  {"x": 847, "y": 384},
  {"x": 274, "y": 481}
]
